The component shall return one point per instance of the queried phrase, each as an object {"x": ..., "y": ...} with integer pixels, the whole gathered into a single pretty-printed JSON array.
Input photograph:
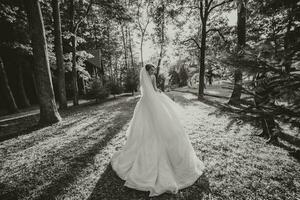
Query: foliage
[
  {"x": 131, "y": 80},
  {"x": 280, "y": 88},
  {"x": 183, "y": 76},
  {"x": 96, "y": 90},
  {"x": 178, "y": 75},
  {"x": 14, "y": 37},
  {"x": 161, "y": 82},
  {"x": 174, "y": 77},
  {"x": 114, "y": 87}
]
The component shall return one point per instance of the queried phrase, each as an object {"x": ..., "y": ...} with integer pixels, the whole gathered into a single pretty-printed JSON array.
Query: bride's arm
[{"x": 153, "y": 79}]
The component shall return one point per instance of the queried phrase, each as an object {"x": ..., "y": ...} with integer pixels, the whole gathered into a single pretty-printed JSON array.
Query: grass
[{"x": 70, "y": 160}]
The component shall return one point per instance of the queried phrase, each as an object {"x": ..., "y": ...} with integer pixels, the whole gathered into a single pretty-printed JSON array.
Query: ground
[{"x": 70, "y": 159}]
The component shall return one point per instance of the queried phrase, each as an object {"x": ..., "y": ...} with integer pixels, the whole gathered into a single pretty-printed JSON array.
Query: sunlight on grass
[{"x": 70, "y": 160}]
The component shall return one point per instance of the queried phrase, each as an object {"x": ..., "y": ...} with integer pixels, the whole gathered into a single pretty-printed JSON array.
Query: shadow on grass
[
  {"x": 292, "y": 151},
  {"x": 110, "y": 186},
  {"x": 241, "y": 118},
  {"x": 28, "y": 124},
  {"x": 86, "y": 158},
  {"x": 77, "y": 155},
  {"x": 205, "y": 94}
]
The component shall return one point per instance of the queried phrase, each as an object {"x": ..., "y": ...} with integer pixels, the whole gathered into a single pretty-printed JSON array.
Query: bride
[{"x": 158, "y": 155}]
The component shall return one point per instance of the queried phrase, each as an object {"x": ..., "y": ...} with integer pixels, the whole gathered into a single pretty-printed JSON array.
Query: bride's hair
[{"x": 149, "y": 66}]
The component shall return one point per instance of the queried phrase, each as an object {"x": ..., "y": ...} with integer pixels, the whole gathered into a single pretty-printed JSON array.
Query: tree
[
  {"x": 48, "y": 110},
  {"x": 130, "y": 48},
  {"x": 159, "y": 18},
  {"x": 131, "y": 80},
  {"x": 142, "y": 27},
  {"x": 204, "y": 7},
  {"x": 74, "y": 25},
  {"x": 124, "y": 39},
  {"x": 59, "y": 54},
  {"x": 241, "y": 33},
  {"x": 12, "y": 106},
  {"x": 274, "y": 89}
]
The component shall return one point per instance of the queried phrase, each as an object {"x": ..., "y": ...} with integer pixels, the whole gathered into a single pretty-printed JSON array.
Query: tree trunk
[
  {"x": 241, "y": 33},
  {"x": 110, "y": 56},
  {"x": 237, "y": 89},
  {"x": 130, "y": 49},
  {"x": 12, "y": 106},
  {"x": 83, "y": 87},
  {"x": 125, "y": 49},
  {"x": 74, "y": 70},
  {"x": 34, "y": 83},
  {"x": 241, "y": 23},
  {"x": 202, "y": 59},
  {"x": 159, "y": 62},
  {"x": 162, "y": 40},
  {"x": 48, "y": 110},
  {"x": 287, "y": 64},
  {"x": 24, "y": 101},
  {"x": 59, "y": 55},
  {"x": 141, "y": 49}
]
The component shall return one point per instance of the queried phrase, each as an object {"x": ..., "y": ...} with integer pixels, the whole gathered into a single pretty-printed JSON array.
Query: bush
[
  {"x": 183, "y": 76},
  {"x": 114, "y": 88},
  {"x": 96, "y": 90},
  {"x": 161, "y": 82},
  {"x": 174, "y": 77},
  {"x": 131, "y": 81},
  {"x": 179, "y": 78}
]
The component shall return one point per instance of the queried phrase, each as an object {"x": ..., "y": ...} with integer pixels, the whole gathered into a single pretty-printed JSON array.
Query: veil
[
  {"x": 156, "y": 101},
  {"x": 147, "y": 89}
]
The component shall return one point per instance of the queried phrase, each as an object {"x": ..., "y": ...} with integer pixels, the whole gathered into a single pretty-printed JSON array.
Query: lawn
[{"x": 70, "y": 159}]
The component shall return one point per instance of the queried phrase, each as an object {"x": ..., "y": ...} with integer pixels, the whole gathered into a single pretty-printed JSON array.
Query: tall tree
[
  {"x": 205, "y": 7},
  {"x": 159, "y": 18},
  {"x": 130, "y": 47},
  {"x": 74, "y": 25},
  {"x": 124, "y": 39},
  {"x": 142, "y": 26},
  {"x": 59, "y": 54},
  {"x": 12, "y": 106},
  {"x": 48, "y": 110},
  {"x": 241, "y": 34}
]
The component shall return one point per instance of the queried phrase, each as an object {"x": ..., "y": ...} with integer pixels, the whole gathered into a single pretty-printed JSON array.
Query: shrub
[
  {"x": 114, "y": 88},
  {"x": 131, "y": 81},
  {"x": 174, "y": 77},
  {"x": 96, "y": 90},
  {"x": 179, "y": 78},
  {"x": 183, "y": 76},
  {"x": 161, "y": 82}
]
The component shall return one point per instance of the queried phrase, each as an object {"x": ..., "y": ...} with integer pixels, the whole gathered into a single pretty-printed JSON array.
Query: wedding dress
[{"x": 158, "y": 155}]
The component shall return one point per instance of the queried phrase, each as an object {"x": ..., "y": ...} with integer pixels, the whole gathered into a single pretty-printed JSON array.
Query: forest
[{"x": 59, "y": 58}]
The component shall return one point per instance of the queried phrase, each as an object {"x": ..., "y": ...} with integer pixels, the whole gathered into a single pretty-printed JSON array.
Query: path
[{"x": 70, "y": 160}]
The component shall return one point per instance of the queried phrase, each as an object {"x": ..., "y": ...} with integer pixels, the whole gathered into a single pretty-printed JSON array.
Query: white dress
[{"x": 158, "y": 155}]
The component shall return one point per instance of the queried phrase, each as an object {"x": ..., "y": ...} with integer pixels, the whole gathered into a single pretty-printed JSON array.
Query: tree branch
[
  {"x": 219, "y": 4},
  {"x": 143, "y": 29},
  {"x": 220, "y": 33},
  {"x": 201, "y": 11},
  {"x": 84, "y": 17},
  {"x": 192, "y": 39},
  {"x": 209, "y": 3}
]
